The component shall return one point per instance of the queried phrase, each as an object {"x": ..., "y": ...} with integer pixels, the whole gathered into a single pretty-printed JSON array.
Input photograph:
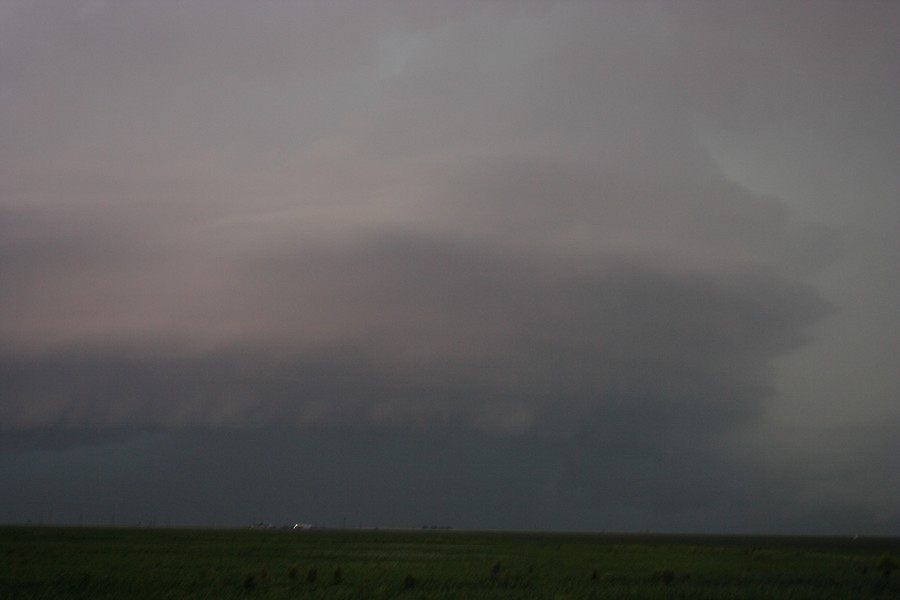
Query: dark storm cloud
[
  {"x": 500, "y": 228},
  {"x": 451, "y": 334},
  {"x": 406, "y": 478}
]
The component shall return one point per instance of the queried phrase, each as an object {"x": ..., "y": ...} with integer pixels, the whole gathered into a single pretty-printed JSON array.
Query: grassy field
[{"x": 85, "y": 562}]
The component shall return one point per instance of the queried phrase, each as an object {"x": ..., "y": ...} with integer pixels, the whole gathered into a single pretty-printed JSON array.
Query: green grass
[{"x": 83, "y": 562}]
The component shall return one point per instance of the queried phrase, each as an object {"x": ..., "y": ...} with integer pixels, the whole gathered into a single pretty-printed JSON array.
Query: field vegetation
[{"x": 88, "y": 562}]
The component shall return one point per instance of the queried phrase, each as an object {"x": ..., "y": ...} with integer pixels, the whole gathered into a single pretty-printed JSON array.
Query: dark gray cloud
[
  {"x": 516, "y": 250},
  {"x": 285, "y": 475},
  {"x": 446, "y": 333}
]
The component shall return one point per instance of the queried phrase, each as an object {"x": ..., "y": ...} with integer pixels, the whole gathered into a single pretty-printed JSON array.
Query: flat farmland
[{"x": 97, "y": 562}]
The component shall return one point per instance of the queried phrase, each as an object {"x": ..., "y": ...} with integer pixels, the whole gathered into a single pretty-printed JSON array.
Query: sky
[{"x": 569, "y": 265}]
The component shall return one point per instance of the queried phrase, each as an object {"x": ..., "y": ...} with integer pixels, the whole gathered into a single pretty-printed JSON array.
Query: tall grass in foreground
[{"x": 46, "y": 562}]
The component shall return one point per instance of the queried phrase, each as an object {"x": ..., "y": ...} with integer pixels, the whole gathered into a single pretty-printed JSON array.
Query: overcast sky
[{"x": 492, "y": 264}]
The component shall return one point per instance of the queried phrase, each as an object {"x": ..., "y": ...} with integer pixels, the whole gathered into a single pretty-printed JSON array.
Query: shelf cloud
[{"x": 557, "y": 249}]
